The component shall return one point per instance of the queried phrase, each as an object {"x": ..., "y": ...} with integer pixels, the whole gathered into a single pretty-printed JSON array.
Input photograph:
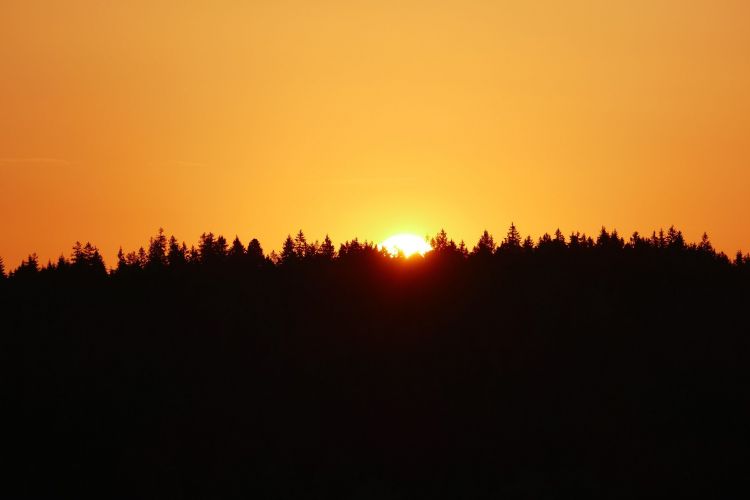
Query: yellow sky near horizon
[{"x": 370, "y": 118}]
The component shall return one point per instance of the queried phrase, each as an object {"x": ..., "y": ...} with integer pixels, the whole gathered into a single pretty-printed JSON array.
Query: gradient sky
[{"x": 370, "y": 118}]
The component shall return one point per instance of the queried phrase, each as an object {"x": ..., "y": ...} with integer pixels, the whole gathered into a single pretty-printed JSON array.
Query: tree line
[
  {"x": 164, "y": 252},
  {"x": 569, "y": 366}
]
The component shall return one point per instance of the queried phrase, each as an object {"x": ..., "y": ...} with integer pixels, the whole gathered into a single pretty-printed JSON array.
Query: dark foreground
[{"x": 536, "y": 377}]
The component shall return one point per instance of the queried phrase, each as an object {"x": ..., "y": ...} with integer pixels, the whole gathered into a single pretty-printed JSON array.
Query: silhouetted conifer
[
  {"x": 485, "y": 246},
  {"x": 675, "y": 240},
  {"x": 659, "y": 240},
  {"x": 463, "y": 250},
  {"x": 301, "y": 248},
  {"x": 2, "y": 268},
  {"x": 274, "y": 257},
  {"x": 212, "y": 249},
  {"x": 739, "y": 260},
  {"x": 602, "y": 241},
  {"x": 141, "y": 258},
  {"x": 255, "y": 253},
  {"x": 62, "y": 263},
  {"x": 176, "y": 254},
  {"x": 86, "y": 260},
  {"x": 28, "y": 268},
  {"x": 545, "y": 242},
  {"x": 157, "y": 251},
  {"x": 237, "y": 250},
  {"x": 512, "y": 241},
  {"x": 355, "y": 249},
  {"x": 206, "y": 247},
  {"x": 575, "y": 241},
  {"x": 193, "y": 256},
  {"x": 326, "y": 250},
  {"x": 443, "y": 248},
  {"x": 636, "y": 242},
  {"x": 288, "y": 251},
  {"x": 559, "y": 238},
  {"x": 705, "y": 245},
  {"x": 440, "y": 242},
  {"x": 122, "y": 264},
  {"x": 528, "y": 244},
  {"x": 221, "y": 247}
]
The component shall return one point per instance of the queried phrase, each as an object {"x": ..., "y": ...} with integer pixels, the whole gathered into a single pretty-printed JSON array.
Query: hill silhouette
[{"x": 578, "y": 366}]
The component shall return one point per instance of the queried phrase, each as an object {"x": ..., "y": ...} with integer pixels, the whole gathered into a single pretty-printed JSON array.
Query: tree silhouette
[
  {"x": 288, "y": 251},
  {"x": 485, "y": 246},
  {"x": 62, "y": 263},
  {"x": 86, "y": 260},
  {"x": 545, "y": 242},
  {"x": 2, "y": 268},
  {"x": 462, "y": 249},
  {"x": 212, "y": 249},
  {"x": 255, "y": 253},
  {"x": 176, "y": 254},
  {"x": 302, "y": 249},
  {"x": 122, "y": 263},
  {"x": 675, "y": 240},
  {"x": 528, "y": 244},
  {"x": 326, "y": 250},
  {"x": 659, "y": 240},
  {"x": 28, "y": 268},
  {"x": 559, "y": 239},
  {"x": 512, "y": 241},
  {"x": 705, "y": 245},
  {"x": 157, "y": 251},
  {"x": 237, "y": 250},
  {"x": 637, "y": 242},
  {"x": 440, "y": 242}
]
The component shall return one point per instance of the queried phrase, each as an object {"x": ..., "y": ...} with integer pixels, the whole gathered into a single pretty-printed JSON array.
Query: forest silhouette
[{"x": 570, "y": 366}]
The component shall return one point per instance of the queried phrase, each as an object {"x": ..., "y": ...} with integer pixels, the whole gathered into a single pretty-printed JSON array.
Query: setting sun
[{"x": 408, "y": 244}]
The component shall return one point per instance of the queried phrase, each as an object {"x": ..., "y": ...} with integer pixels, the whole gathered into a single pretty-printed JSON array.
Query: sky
[{"x": 370, "y": 118}]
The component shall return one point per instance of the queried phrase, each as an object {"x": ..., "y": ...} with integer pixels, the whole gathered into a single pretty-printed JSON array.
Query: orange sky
[{"x": 370, "y": 118}]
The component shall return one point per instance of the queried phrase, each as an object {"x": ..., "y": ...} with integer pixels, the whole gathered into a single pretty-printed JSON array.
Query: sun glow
[{"x": 408, "y": 244}]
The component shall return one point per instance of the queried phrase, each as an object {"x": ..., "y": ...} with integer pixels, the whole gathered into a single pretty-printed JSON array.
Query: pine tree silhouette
[
  {"x": 512, "y": 241},
  {"x": 288, "y": 251},
  {"x": 485, "y": 246},
  {"x": 255, "y": 253},
  {"x": 326, "y": 250},
  {"x": 176, "y": 254},
  {"x": 157, "y": 251}
]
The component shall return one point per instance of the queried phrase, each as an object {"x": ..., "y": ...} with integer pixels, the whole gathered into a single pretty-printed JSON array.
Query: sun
[{"x": 405, "y": 243}]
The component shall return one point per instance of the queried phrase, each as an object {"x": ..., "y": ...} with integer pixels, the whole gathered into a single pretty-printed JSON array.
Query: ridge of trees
[
  {"x": 164, "y": 252},
  {"x": 513, "y": 367}
]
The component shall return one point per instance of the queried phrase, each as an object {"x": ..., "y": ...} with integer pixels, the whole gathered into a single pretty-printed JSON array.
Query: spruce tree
[
  {"x": 255, "y": 252},
  {"x": 440, "y": 242},
  {"x": 301, "y": 249},
  {"x": 157, "y": 250},
  {"x": 288, "y": 254},
  {"x": 237, "y": 250},
  {"x": 326, "y": 250},
  {"x": 176, "y": 255},
  {"x": 512, "y": 239},
  {"x": 485, "y": 246}
]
